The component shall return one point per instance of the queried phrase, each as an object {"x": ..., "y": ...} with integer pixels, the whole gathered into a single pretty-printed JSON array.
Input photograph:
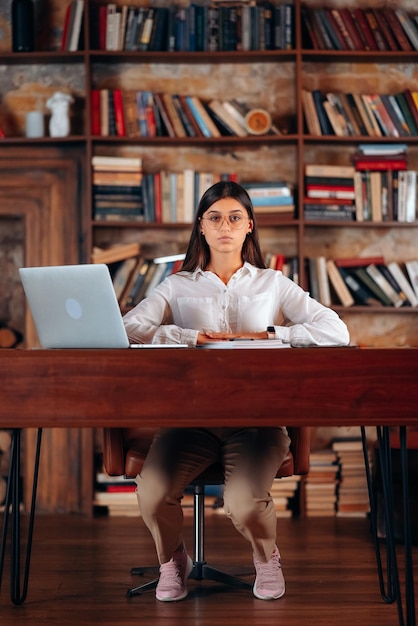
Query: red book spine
[
  {"x": 374, "y": 28},
  {"x": 102, "y": 27},
  {"x": 380, "y": 165},
  {"x": 119, "y": 113},
  {"x": 329, "y": 187},
  {"x": 351, "y": 28},
  {"x": 358, "y": 261},
  {"x": 384, "y": 27},
  {"x": 365, "y": 29},
  {"x": 95, "y": 112},
  {"x": 157, "y": 198},
  {"x": 66, "y": 29},
  {"x": 397, "y": 29}
]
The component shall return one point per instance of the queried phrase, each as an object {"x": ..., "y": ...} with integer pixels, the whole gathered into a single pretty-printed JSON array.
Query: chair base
[{"x": 201, "y": 571}]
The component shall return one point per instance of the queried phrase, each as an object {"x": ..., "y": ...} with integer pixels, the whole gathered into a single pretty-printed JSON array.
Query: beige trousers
[{"x": 250, "y": 457}]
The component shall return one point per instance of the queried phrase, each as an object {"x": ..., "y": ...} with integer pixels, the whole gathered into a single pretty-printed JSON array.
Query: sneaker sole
[
  {"x": 189, "y": 568},
  {"x": 271, "y": 597}
]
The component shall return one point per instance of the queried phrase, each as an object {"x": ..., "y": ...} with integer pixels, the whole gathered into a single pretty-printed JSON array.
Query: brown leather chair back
[{"x": 125, "y": 449}]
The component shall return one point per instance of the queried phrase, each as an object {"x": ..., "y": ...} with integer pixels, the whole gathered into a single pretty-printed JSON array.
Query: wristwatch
[{"x": 271, "y": 332}]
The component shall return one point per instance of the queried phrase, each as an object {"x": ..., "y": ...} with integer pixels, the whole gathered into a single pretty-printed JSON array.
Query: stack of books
[
  {"x": 353, "y": 496},
  {"x": 115, "y": 495},
  {"x": 117, "y": 188},
  {"x": 385, "y": 187},
  {"x": 194, "y": 28},
  {"x": 386, "y": 29},
  {"x": 272, "y": 197},
  {"x": 284, "y": 492},
  {"x": 321, "y": 484},
  {"x": 329, "y": 192}
]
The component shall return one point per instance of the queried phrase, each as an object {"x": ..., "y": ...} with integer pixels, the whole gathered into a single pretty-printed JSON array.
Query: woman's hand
[{"x": 210, "y": 337}]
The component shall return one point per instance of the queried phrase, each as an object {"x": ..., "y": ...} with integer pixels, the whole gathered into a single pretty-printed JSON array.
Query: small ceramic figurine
[{"x": 59, "y": 104}]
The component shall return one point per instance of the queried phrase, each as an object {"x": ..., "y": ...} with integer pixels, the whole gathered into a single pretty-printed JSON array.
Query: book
[
  {"x": 384, "y": 285},
  {"x": 206, "y": 124},
  {"x": 114, "y": 253},
  {"x": 337, "y": 282},
  {"x": 396, "y": 29},
  {"x": 323, "y": 282},
  {"x": 388, "y": 274},
  {"x": 236, "y": 129},
  {"x": 329, "y": 171},
  {"x": 408, "y": 26},
  {"x": 369, "y": 282},
  {"x": 403, "y": 283},
  {"x": 360, "y": 293},
  {"x": 173, "y": 115},
  {"x": 326, "y": 127},
  {"x": 412, "y": 271},
  {"x": 310, "y": 114},
  {"x": 111, "y": 163},
  {"x": 75, "y": 26},
  {"x": 123, "y": 277},
  {"x": 358, "y": 261}
]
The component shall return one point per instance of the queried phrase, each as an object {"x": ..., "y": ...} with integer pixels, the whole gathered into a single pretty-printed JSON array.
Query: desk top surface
[{"x": 161, "y": 387}]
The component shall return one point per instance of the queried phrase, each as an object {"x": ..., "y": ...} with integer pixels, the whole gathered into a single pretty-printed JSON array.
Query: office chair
[{"x": 124, "y": 451}]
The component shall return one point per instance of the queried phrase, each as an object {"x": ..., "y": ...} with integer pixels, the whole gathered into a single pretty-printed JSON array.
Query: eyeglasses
[{"x": 234, "y": 221}]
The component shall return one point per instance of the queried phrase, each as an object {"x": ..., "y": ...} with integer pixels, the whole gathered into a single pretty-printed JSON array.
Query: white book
[
  {"x": 384, "y": 285},
  {"x": 323, "y": 281},
  {"x": 411, "y": 196},
  {"x": 76, "y": 27},
  {"x": 412, "y": 269},
  {"x": 235, "y": 113},
  {"x": 188, "y": 195},
  {"x": 403, "y": 283},
  {"x": 110, "y": 25}
]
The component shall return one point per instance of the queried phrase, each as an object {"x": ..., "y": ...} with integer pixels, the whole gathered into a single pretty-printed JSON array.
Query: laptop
[{"x": 74, "y": 306}]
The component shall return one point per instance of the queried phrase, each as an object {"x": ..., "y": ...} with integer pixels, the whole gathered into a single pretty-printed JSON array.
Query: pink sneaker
[
  {"x": 269, "y": 582},
  {"x": 172, "y": 583}
]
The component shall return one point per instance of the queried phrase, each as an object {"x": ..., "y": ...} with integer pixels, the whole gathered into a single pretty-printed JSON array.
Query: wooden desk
[
  {"x": 183, "y": 387},
  {"x": 160, "y": 387}
]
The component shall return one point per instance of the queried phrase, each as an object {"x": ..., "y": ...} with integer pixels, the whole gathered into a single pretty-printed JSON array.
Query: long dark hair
[{"x": 198, "y": 251}]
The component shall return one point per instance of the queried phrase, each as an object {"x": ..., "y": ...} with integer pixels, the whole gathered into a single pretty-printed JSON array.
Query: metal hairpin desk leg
[
  {"x": 12, "y": 506},
  {"x": 392, "y": 592}
]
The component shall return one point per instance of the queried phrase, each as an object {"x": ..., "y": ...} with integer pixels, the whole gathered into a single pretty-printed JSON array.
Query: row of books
[
  {"x": 368, "y": 115},
  {"x": 130, "y": 113},
  {"x": 381, "y": 28},
  {"x": 365, "y": 281},
  {"x": 162, "y": 197},
  {"x": 207, "y": 27}
]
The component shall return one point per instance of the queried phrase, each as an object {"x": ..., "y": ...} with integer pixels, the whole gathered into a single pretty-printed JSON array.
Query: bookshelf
[{"x": 268, "y": 79}]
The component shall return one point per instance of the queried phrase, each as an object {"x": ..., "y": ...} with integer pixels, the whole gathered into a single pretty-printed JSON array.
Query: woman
[{"x": 223, "y": 291}]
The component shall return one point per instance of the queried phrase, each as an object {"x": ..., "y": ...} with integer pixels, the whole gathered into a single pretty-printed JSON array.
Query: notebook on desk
[{"x": 74, "y": 306}]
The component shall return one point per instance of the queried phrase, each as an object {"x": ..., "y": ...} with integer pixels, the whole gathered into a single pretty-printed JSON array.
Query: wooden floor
[{"x": 81, "y": 571}]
